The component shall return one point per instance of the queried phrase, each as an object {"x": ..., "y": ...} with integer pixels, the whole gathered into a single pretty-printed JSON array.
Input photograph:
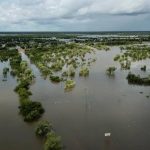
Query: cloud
[{"x": 54, "y": 12}]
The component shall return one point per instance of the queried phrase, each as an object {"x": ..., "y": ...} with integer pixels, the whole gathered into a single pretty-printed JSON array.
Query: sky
[{"x": 74, "y": 15}]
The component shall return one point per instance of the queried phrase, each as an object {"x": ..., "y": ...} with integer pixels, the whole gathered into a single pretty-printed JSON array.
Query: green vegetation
[
  {"x": 137, "y": 80},
  {"x": 110, "y": 71},
  {"x": 31, "y": 110},
  {"x": 71, "y": 71},
  {"x": 43, "y": 128},
  {"x": 69, "y": 84},
  {"x": 132, "y": 54},
  {"x": 143, "y": 68},
  {"x": 100, "y": 46},
  {"x": 55, "y": 57},
  {"x": 53, "y": 142},
  {"x": 84, "y": 71},
  {"x": 23, "y": 92},
  {"x": 5, "y": 71},
  {"x": 61, "y": 58},
  {"x": 55, "y": 78}
]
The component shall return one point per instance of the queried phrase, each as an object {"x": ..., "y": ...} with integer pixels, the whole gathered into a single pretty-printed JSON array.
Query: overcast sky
[{"x": 74, "y": 15}]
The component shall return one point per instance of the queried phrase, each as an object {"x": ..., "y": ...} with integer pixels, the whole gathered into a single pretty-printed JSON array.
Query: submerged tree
[
  {"x": 43, "y": 128},
  {"x": 55, "y": 78},
  {"x": 31, "y": 110},
  {"x": 84, "y": 71},
  {"x": 136, "y": 79},
  {"x": 53, "y": 142},
  {"x": 110, "y": 71},
  {"x": 5, "y": 71},
  {"x": 143, "y": 68},
  {"x": 69, "y": 84}
]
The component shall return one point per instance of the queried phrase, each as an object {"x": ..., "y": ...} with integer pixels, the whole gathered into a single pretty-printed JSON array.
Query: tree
[
  {"x": 43, "y": 128},
  {"x": 53, "y": 142}
]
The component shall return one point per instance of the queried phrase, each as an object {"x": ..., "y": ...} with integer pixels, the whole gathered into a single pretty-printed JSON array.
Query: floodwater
[{"x": 97, "y": 105}]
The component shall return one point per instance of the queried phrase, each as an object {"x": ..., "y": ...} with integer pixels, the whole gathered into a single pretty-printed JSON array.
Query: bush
[
  {"x": 110, "y": 71},
  {"x": 55, "y": 78},
  {"x": 117, "y": 57},
  {"x": 84, "y": 72},
  {"x": 43, "y": 128},
  {"x": 136, "y": 79},
  {"x": 143, "y": 68},
  {"x": 65, "y": 74},
  {"x": 13, "y": 73},
  {"x": 71, "y": 71},
  {"x": 31, "y": 110},
  {"x": 5, "y": 71},
  {"x": 53, "y": 142},
  {"x": 24, "y": 93},
  {"x": 22, "y": 84},
  {"x": 69, "y": 84}
]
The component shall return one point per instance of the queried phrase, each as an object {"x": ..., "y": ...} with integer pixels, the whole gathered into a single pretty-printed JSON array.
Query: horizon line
[{"x": 72, "y": 31}]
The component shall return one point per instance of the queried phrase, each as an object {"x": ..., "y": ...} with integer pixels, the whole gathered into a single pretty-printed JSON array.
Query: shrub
[
  {"x": 5, "y": 71},
  {"x": 126, "y": 65},
  {"x": 43, "y": 128},
  {"x": 53, "y": 142},
  {"x": 71, "y": 71},
  {"x": 31, "y": 110},
  {"x": 136, "y": 79},
  {"x": 69, "y": 84},
  {"x": 22, "y": 84},
  {"x": 110, "y": 71},
  {"x": 24, "y": 93},
  {"x": 143, "y": 68},
  {"x": 13, "y": 73},
  {"x": 84, "y": 72},
  {"x": 117, "y": 57},
  {"x": 55, "y": 78},
  {"x": 65, "y": 74}
]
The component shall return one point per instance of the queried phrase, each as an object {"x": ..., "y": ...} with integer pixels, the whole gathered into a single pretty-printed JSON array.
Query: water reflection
[{"x": 107, "y": 143}]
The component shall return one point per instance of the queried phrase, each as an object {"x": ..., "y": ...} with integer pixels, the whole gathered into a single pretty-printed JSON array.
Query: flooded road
[{"x": 98, "y": 105}]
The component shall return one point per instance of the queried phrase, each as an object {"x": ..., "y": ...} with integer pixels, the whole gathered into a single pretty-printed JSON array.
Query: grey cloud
[{"x": 62, "y": 12}]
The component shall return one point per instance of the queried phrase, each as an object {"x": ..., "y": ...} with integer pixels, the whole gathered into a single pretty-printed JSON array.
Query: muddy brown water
[{"x": 98, "y": 104}]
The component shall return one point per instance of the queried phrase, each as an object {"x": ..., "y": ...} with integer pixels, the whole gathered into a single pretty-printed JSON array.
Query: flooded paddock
[{"x": 97, "y": 105}]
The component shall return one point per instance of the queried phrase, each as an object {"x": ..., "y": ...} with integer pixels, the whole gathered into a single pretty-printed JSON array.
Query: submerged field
[{"x": 98, "y": 99}]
